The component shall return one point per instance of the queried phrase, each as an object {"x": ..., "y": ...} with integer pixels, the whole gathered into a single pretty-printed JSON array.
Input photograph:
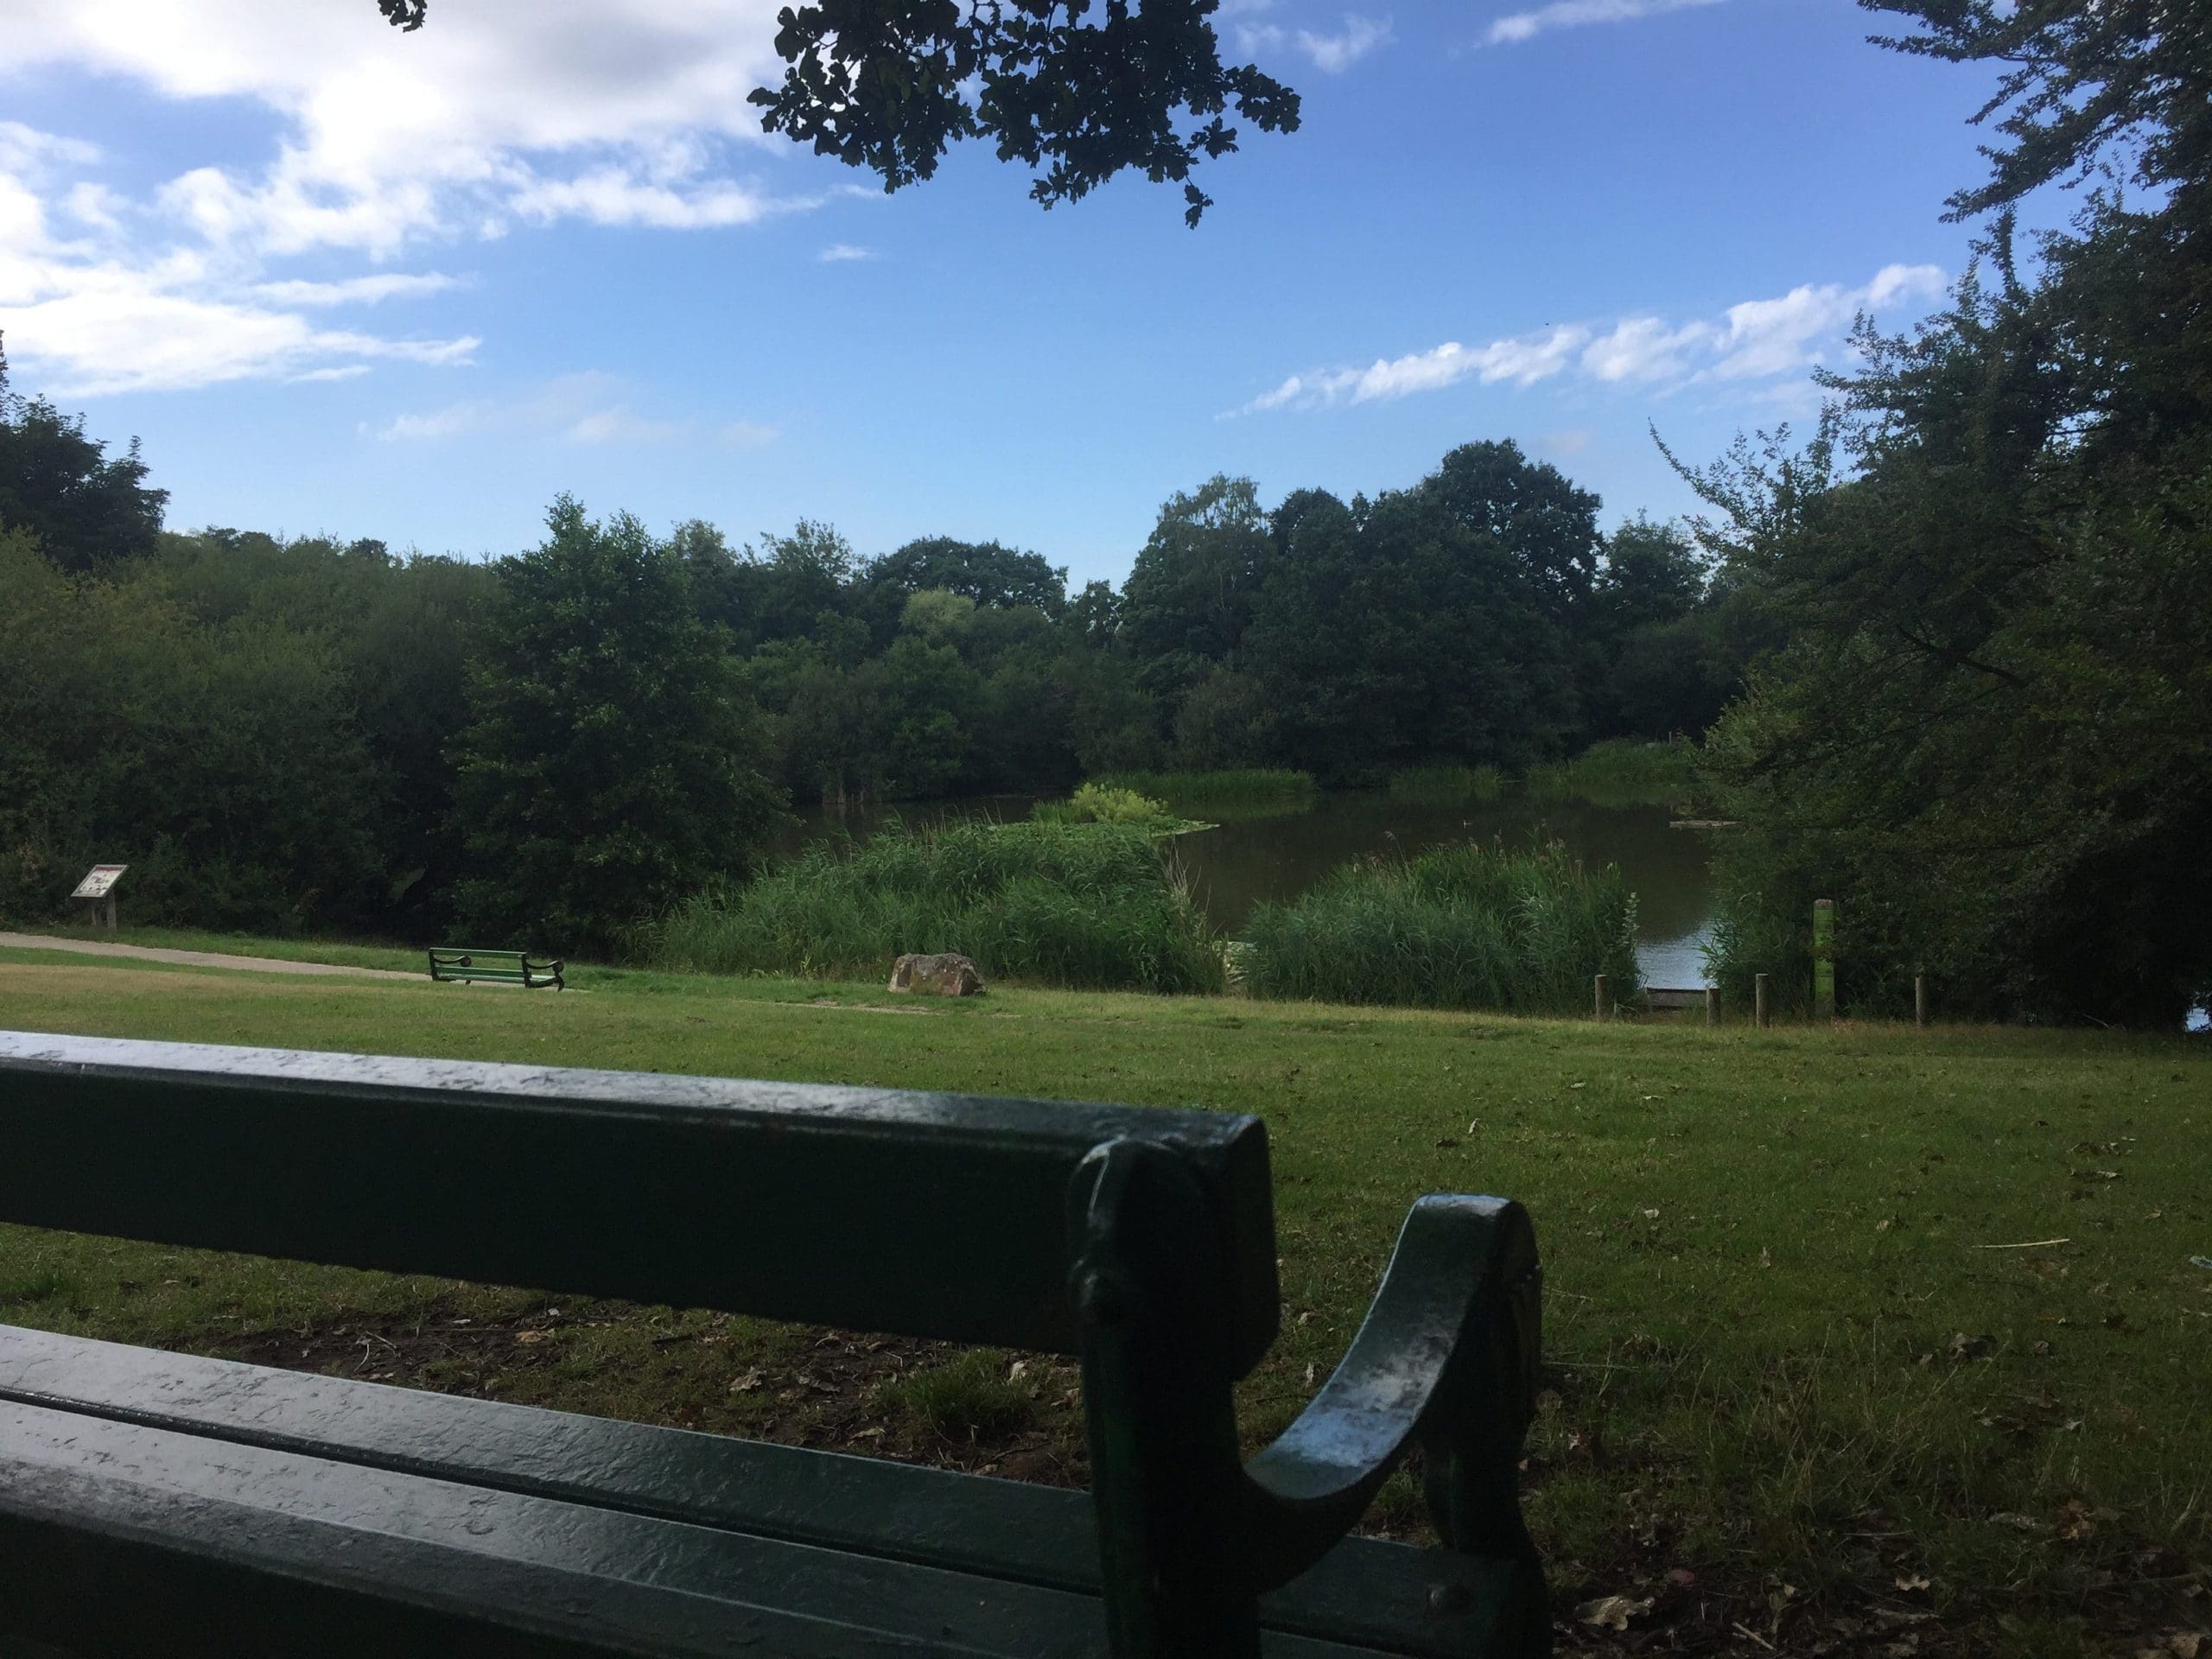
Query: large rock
[{"x": 939, "y": 975}]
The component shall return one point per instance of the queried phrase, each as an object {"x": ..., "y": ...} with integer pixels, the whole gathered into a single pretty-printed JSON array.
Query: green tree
[
  {"x": 89, "y": 512},
  {"x": 1193, "y": 586},
  {"x": 614, "y": 758}
]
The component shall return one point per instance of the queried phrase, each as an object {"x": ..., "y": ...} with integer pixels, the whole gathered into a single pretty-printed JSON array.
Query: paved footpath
[{"x": 198, "y": 958}]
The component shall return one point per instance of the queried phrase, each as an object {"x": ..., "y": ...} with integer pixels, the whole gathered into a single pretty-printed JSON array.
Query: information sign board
[{"x": 99, "y": 880}]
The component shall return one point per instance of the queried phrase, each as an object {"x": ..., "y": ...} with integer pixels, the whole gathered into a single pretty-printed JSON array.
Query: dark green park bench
[
  {"x": 497, "y": 967},
  {"x": 153, "y": 1503}
]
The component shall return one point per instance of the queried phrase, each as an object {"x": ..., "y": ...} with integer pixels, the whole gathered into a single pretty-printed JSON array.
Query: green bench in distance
[
  {"x": 497, "y": 968},
  {"x": 153, "y": 1503}
]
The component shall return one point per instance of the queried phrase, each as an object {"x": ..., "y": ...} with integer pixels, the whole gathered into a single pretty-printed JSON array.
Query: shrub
[
  {"x": 1217, "y": 792},
  {"x": 1102, "y": 804},
  {"x": 1467, "y": 925},
  {"x": 1446, "y": 785},
  {"x": 1087, "y": 906}
]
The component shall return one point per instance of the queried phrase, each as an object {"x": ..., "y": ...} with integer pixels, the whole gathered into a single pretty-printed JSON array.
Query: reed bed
[
  {"x": 1467, "y": 925},
  {"x": 1620, "y": 772},
  {"x": 1446, "y": 785},
  {"x": 1083, "y": 906}
]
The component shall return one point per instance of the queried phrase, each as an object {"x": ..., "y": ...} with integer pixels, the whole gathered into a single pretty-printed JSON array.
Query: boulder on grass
[{"x": 939, "y": 975}]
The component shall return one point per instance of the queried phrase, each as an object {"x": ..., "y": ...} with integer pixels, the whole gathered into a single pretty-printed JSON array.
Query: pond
[{"x": 1248, "y": 860}]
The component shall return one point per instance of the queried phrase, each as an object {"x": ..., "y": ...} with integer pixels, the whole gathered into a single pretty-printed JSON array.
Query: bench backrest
[{"x": 931, "y": 1215}]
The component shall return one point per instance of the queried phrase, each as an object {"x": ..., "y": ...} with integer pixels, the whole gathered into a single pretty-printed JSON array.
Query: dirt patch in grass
[{"x": 890, "y": 1396}]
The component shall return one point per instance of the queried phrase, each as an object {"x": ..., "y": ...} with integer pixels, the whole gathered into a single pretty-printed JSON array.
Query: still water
[{"x": 1248, "y": 860}]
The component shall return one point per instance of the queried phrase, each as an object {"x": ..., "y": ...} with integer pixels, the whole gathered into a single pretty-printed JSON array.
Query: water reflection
[{"x": 1249, "y": 860}]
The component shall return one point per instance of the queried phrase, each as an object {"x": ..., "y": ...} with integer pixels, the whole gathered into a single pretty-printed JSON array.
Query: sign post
[{"x": 99, "y": 887}]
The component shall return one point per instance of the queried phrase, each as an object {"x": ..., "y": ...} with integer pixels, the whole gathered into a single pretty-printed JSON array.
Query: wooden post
[
  {"x": 1713, "y": 1004},
  {"x": 1919, "y": 999},
  {"x": 1824, "y": 959},
  {"x": 1758, "y": 1000},
  {"x": 1604, "y": 994},
  {"x": 111, "y": 910}
]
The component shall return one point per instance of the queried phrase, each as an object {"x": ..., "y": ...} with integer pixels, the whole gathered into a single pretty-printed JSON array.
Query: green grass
[
  {"x": 1088, "y": 905},
  {"x": 1620, "y": 772},
  {"x": 1467, "y": 925},
  {"x": 1254, "y": 791},
  {"x": 969, "y": 1397},
  {"x": 1446, "y": 785},
  {"x": 1782, "y": 1347}
]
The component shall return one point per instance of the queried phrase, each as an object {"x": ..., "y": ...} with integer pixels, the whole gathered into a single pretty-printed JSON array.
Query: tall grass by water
[
  {"x": 1620, "y": 772},
  {"x": 1446, "y": 785},
  {"x": 1467, "y": 925},
  {"x": 1245, "y": 788},
  {"x": 1084, "y": 907}
]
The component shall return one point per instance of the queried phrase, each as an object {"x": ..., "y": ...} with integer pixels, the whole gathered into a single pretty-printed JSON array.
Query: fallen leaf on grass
[
  {"x": 530, "y": 1339},
  {"x": 746, "y": 1382},
  {"x": 1612, "y": 1613},
  {"x": 1910, "y": 1582}
]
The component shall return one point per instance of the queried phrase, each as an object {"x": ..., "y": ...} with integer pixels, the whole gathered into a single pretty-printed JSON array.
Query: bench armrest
[{"x": 1446, "y": 1359}]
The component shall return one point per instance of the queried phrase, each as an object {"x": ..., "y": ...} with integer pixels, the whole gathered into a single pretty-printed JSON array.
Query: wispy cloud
[
  {"x": 356, "y": 290},
  {"x": 1332, "y": 53},
  {"x": 1577, "y": 14},
  {"x": 840, "y": 252},
  {"x": 587, "y": 409},
  {"x": 1758, "y": 340}
]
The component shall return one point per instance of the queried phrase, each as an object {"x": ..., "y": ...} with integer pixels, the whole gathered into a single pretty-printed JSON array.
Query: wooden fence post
[
  {"x": 1824, "y": 959},
  {"x": 1758, "y": 1000},
  {"x": 1713, "y": 1004},
  {"x": 1604, "y": 995},
  {"x": 1919, "y": 999}
]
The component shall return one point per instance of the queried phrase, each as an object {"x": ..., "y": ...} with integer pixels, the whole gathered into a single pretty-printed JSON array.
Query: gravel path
[{"x": 197, "y": 958}]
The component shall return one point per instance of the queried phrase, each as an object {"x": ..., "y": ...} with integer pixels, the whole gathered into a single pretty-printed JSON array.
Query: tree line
[{"x": 320, "y": 733}]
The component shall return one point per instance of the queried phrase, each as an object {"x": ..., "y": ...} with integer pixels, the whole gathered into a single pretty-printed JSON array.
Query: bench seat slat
[
  {"x": 238, "y": 1551},
  {"x": 1369, "y": 1594}
]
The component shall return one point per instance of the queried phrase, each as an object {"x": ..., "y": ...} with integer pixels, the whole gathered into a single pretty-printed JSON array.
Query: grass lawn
[{"x": 1805, "y": 1395}]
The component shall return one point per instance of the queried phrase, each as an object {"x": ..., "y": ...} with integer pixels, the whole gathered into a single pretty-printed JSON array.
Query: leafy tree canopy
[
  {"x": 888, "y": 84},
  {"x": 87, "y": 510}
]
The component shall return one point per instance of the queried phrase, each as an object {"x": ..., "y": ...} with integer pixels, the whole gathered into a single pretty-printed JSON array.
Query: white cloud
[
  {"x": 1331, "y": 53},
  {"x": 587, "y": 408},
  {"x": 1337, "y": 53},
  {"x": 1575, "y": 14},
  {"x": 356, "y": 290},
  {"x": 839, "y": 253},
  {"x": 1759, "y": 340},
  {"x": 616, "y": 112},
  {"x": 86, "y": 313},
  {"x": 1643, "y": 348},
  {"x": 619, "y": 111}
]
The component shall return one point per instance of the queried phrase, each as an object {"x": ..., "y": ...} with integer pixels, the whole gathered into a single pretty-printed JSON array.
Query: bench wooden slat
[
  {"x": 120, "y": 1539},
  {"x": 1367, "y": 1594},
  {"x": 939, "y": 1215}
]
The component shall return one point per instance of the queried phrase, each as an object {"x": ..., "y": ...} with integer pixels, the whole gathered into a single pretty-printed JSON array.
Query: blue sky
[{"x": 343, "y": 280}]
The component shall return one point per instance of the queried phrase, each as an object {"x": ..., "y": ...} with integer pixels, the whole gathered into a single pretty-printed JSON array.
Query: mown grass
[
  {"x": 1088, "y": 905},
  {"x": 1790, "y": 1348},
  {"x": 1252, "y": 791},
  {"x": 1467, "y": 925},
  {"x": 1446, "y": 785},
  {"x": 1620, "y": 772}
]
